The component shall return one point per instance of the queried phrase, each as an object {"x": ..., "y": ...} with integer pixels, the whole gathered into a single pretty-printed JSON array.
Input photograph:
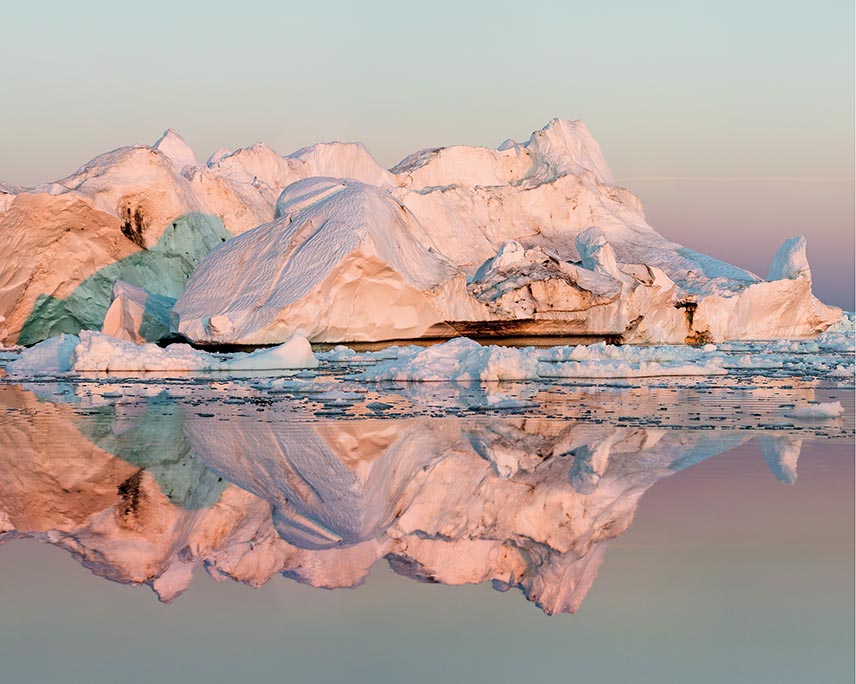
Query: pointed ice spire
[
  {"x": 178, "y": 151},
  {"x": 568, "y": 147},
  {"x": 790, "y": 261}
]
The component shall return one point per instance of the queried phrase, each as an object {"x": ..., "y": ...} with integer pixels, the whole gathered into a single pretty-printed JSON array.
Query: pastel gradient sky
[{"x": 732, "y": 120}]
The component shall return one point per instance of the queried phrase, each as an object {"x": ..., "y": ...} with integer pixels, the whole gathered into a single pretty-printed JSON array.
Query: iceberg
[
  {"x": 530, "y": 239},
  {"x": 548, "y": 244},
  {"x": 141, "y": 214},
  {"x": 136, "y": 315}
]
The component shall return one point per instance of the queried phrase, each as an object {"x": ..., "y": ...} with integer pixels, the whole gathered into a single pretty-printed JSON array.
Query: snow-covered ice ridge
[{"x": 251, "y": 247}]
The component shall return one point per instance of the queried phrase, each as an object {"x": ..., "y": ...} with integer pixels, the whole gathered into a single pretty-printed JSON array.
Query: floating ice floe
[
  {"x": 465, "y": 360},
  {"x": 460, "y": 360},
  {"x": 97, "y": 352}
]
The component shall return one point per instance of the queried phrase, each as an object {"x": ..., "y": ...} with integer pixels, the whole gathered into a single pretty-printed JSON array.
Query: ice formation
[
  {"x": 529, "y": 239},
  {"x": 136, "y": 315},
  {"x": 341, "y": 260},
  {"x": 825, "y": 411},
  {"x": 97, "y": 352}
]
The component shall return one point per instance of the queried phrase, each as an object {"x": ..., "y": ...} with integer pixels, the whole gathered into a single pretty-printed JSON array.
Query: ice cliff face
[{"x": 337, "y": 248}]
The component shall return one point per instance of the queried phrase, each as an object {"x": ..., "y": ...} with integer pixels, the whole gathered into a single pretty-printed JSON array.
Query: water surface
[{"x": 657, "y": 531}]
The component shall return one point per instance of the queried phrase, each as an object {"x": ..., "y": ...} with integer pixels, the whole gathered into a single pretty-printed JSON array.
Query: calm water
[{"x": 603, "y": 531}]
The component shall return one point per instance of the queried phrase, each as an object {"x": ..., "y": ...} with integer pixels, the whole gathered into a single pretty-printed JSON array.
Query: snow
[
  {"x": 567, "y": 147},
  {"x": 179, "y": 152},
  {"x": 342, "y": 160}
]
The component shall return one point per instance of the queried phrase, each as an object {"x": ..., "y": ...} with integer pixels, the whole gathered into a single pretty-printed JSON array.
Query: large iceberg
[
  {"x": 548, "y": 244},
  {"x": 529, "y": 239}
]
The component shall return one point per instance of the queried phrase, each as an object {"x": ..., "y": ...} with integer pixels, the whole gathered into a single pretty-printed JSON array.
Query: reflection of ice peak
[
  {"x": 782, "y": 455},
  {"x": 590, "y": 462},
  {"x": 562, "y": 582}
]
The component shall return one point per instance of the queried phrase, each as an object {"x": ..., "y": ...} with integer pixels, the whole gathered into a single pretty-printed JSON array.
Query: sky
[{"x": 733, "y": 121}]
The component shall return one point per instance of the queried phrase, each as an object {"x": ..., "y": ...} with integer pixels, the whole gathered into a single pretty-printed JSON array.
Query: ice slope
[{"x": 342, "y": 260}]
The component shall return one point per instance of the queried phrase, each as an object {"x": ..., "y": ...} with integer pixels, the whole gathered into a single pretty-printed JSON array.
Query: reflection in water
[{"x": 143, "y": 482}]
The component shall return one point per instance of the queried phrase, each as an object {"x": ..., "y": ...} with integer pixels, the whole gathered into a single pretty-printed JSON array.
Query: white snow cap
[
  {"x": 178, "y": 151},
  {"x": 790, "y": 261}
]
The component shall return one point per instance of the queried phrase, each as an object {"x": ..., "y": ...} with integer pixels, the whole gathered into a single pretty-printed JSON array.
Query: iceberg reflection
[{"x": 145, "y": 491}]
